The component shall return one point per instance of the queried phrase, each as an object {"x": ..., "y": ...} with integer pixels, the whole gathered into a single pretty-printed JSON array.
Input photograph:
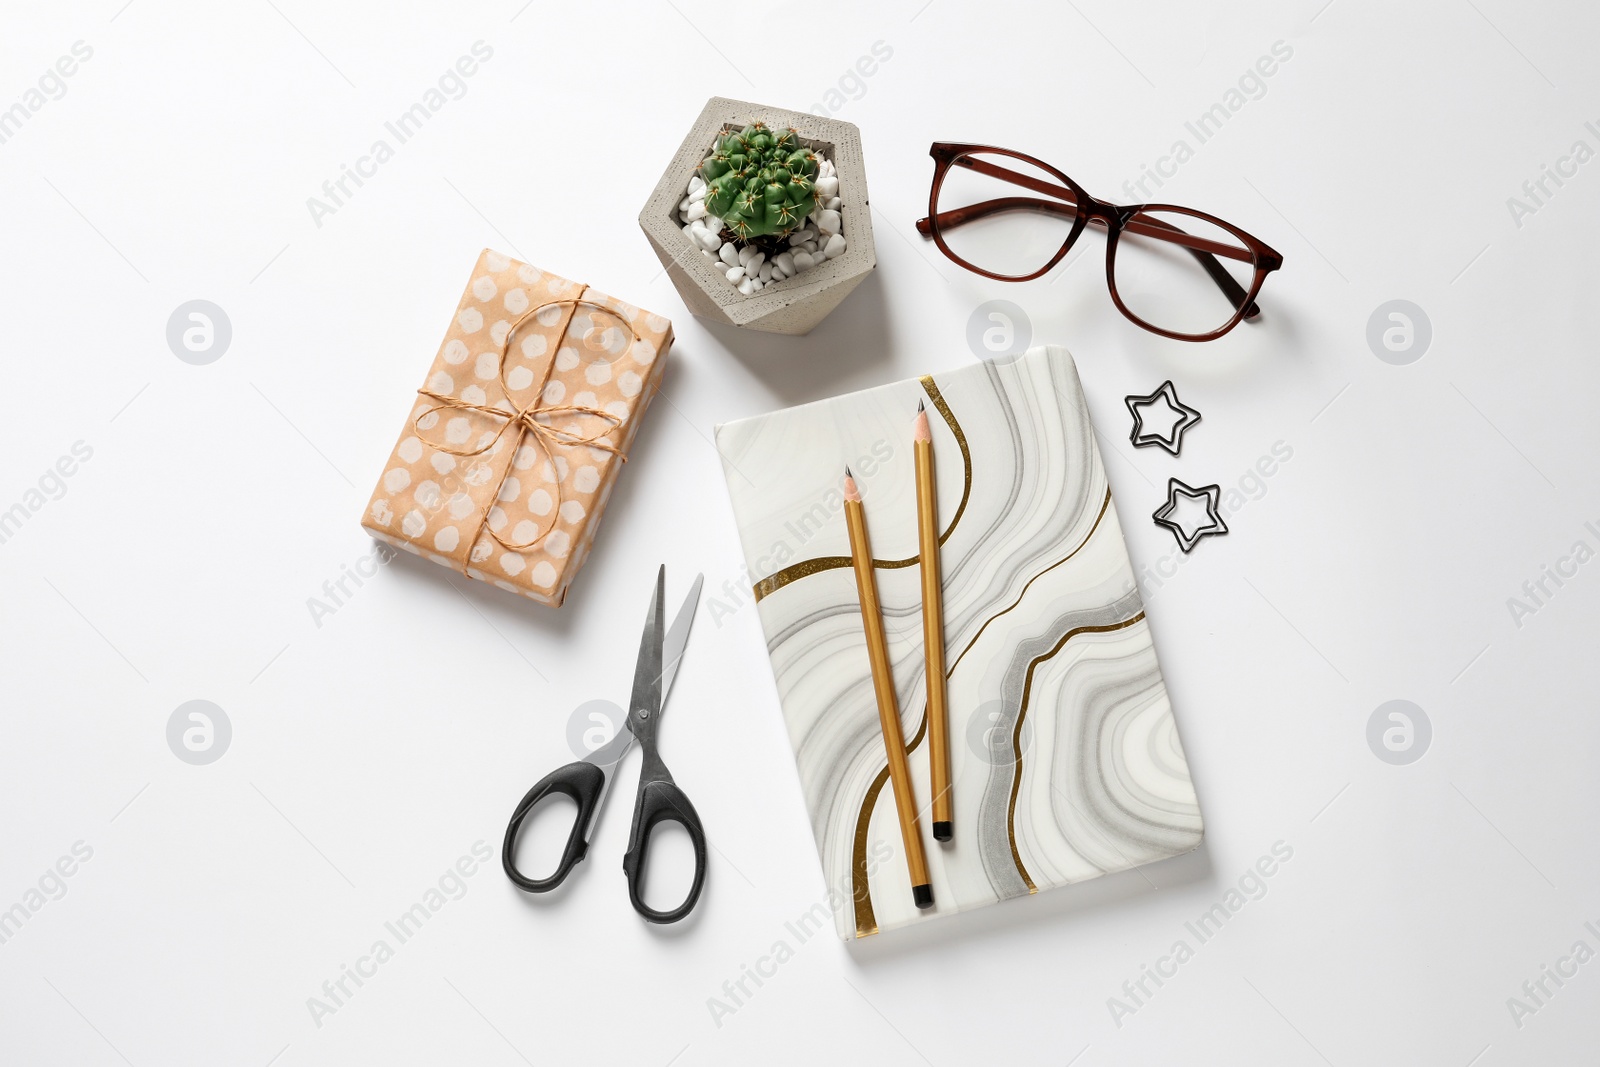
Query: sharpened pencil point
[
  {"x": 847, "y": 473},
  {"x": 919, "y": 405}
]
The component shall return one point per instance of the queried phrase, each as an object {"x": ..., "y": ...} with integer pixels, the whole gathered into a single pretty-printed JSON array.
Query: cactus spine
[{"x": 761, "y": 181}]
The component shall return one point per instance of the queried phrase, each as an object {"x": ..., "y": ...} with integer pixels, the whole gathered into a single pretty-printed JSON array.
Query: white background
[{"x": 371, "y": 752}]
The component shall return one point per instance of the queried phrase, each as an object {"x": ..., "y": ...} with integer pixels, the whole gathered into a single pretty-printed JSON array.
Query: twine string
[{"x": 530, "y": 420}]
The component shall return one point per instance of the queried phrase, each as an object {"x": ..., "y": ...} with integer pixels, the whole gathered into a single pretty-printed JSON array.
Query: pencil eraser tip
[
  {"x": 923, "y": 895},
  {"x": 943, "y": 831}
]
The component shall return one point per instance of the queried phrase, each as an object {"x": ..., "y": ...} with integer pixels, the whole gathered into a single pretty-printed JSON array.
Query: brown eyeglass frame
[{"x": 1069, "y": 198}]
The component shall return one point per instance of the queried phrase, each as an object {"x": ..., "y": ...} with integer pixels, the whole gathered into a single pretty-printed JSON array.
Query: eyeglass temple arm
[{"x": 1065, "y": 203}]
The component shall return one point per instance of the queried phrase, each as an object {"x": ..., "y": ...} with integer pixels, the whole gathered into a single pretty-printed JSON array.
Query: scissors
[{"x": 588, "y": 780}]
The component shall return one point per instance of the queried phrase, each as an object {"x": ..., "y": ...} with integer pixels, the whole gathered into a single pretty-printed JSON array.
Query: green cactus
[{"x": 761, "y": 182}]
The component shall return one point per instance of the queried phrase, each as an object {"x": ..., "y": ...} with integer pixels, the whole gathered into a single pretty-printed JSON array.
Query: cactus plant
[{"x": 760, "y": 181}]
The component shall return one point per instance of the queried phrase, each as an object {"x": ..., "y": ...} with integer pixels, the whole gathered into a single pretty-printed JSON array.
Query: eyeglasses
[{"x": 1172, "y": 270}]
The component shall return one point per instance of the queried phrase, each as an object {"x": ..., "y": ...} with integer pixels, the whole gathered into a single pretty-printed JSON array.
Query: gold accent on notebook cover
[
  {"x": 1016, "y": 731},
  {"x": 807, "y": 567}
]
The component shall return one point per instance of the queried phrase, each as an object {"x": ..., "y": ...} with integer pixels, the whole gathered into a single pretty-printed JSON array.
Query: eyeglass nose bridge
[{"x": 1111, "y": 216}]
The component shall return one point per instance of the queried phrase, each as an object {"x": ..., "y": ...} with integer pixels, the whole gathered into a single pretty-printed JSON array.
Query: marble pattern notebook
[{"x": 1066, "y": 761}]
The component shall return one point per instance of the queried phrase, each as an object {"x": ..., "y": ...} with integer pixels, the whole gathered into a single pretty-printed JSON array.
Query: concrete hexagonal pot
[{"x": 794, "y": 305}]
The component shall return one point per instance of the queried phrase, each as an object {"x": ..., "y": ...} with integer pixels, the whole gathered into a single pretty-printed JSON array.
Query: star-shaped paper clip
[
  {"x": 1172, "y": 439},
  {"x": 1189, "y": 536}
]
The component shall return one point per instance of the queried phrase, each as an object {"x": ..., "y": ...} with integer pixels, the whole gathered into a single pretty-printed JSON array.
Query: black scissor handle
[
  {"x": 583, "y": 782},
  {"x": 660, "y": 800}
]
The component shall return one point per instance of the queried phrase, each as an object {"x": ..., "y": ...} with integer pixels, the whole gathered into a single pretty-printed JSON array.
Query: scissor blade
[
  {"x": 678, "y": 636},
  {"x": 647, "y": 675},
  {"x": 608, "y": 755}
]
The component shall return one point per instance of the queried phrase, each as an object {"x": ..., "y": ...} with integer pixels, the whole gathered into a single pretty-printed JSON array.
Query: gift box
[{"x": 504, "y": 466}]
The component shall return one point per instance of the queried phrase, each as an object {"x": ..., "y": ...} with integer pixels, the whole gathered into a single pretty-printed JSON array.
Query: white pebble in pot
[{"x": 815, "y": 241}]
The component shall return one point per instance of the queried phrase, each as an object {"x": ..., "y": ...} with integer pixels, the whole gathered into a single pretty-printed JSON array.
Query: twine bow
[{"x": 530, "y": 419}]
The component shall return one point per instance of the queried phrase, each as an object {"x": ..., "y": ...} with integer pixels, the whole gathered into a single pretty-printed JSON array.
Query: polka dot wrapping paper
[{"x": 509, "y": 454}]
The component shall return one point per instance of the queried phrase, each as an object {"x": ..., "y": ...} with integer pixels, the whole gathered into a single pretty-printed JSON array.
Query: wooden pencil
[
  {"x": 933, "y": 629},
  {"x": 894, "y": 741}
]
